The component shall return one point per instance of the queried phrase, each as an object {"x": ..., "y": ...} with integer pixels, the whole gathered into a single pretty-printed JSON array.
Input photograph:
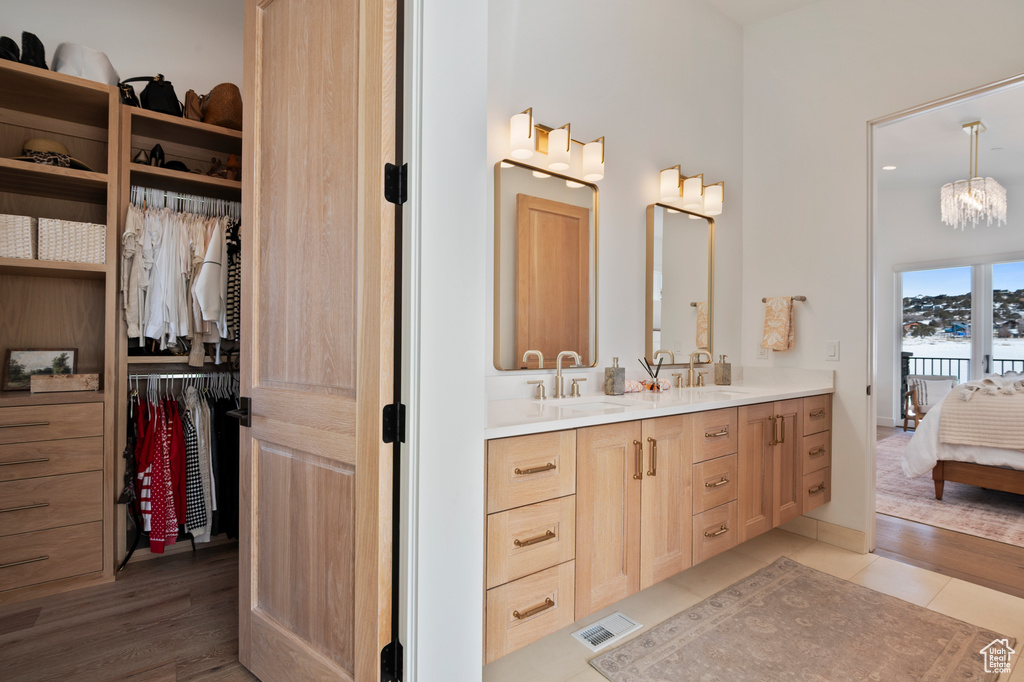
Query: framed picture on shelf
[{"x": 22, "y": 363}]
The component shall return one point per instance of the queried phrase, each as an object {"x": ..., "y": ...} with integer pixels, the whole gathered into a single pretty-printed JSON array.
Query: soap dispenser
[
  {"x": 723, "y": 372},
  {"x": 614, "y": 379}
]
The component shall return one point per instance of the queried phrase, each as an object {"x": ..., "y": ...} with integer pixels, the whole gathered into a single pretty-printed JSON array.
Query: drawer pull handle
[
  {"x": 548, "y": 603},
  {"x": 533, "y": 541},
  {"x": 25, "y": 461},
  {"x": 782, "y": 420},
  {"x": 654, "y": 457},
  {"x": 536, "y": 470},
  {"x": 815, "y": 491},
  {"x": 818, "y": 413},
  {"x": 639, "y": 460},
  {"x": 27, "y": 506},
  {"x": 717, "y": 434},
  {"x": 14, "y": 426},
  {"x": 775, "y": 431},
  {"x": 718, "y": 484},
  {"x": 817, "y": 452},
  {"x": 723, "y": 529},
  {"x": 26, "y": 561}
]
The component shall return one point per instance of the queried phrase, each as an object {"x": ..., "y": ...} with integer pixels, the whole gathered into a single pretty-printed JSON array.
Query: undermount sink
[{"x": 592, "y": 403}]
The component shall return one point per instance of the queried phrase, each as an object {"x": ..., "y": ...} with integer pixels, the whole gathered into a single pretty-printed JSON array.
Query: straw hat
[{"x": 43, "y": 150}]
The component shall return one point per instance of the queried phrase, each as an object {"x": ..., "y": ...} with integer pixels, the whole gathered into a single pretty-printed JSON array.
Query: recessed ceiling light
[{"x": 888, "y": 167}]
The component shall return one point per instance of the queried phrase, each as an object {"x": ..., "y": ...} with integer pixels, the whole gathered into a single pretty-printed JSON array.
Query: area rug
[
  {"x": 964, "y": 508},
  {"x": 791, "y": 622}
]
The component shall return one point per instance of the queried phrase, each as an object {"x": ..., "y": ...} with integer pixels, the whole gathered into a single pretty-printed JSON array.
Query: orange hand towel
[
  {"x": 702, "y": 325},
  {"x": 779, "y": 334}
]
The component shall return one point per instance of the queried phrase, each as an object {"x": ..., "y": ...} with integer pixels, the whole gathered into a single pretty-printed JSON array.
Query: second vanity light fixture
[
  {"x": 691, "y": 193},
  {"x": 551, "y": 148}
]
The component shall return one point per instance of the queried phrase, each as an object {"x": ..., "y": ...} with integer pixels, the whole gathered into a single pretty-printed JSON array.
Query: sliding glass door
[
  {"x": 1006, "y": 342},
  {"x": 938, "y": 321}
]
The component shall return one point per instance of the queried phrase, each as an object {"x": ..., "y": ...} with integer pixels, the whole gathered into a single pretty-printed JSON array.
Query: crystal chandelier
[{"x": 974, "y": 200}]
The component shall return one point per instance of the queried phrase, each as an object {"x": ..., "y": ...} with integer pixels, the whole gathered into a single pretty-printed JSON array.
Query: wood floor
[{"x": 173, "y": 618}]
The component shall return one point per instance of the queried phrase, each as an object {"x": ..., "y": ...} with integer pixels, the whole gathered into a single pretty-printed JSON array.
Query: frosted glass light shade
[
  {"x": 972, "y": 201},
  {"x": 558, "y": 149},
  {"x": 670, "y": 184},
  {"x": 521, "y": 138},
  {"x": 593, "y": 161},
  {"x": 713, "y": 199},
  {"x": 693, "y": 195}
]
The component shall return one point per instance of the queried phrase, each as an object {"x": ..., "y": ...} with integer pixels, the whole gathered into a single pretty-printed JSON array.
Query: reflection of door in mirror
[{"x": 552, "y": 278}]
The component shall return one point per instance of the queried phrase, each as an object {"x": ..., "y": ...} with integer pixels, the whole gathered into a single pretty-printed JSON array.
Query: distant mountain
[{"x": 948, "y": 312}]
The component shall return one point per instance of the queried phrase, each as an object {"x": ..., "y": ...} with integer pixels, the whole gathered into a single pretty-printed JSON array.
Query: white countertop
[{"x": 523, "y": 416}]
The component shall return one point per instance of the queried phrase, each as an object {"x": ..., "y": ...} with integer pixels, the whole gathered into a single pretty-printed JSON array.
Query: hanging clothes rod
[
  {"x": 180, "y": 375},
  {"x": 189, "y": 203},
  {"x": 795, "y": 298}
]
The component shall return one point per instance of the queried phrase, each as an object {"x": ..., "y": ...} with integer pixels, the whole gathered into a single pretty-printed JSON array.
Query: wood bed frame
[{"x": 981, "y": 475}]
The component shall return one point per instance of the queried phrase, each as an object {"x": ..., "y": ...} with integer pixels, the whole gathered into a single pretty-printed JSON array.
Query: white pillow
[{"x": 933, "y": 392}]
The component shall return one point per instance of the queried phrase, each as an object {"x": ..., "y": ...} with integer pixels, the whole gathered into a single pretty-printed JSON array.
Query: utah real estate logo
[{"x": 997, "y": 656}]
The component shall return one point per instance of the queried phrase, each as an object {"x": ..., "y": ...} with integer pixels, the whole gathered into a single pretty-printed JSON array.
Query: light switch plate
[
  {"x": 832, "y": 351},
  {"x": 762, "y": 353}
]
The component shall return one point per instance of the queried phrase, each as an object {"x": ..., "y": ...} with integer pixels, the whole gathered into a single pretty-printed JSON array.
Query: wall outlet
[
  {"x": 762, "y": 353},
  {"x": 832, "y": 351}
]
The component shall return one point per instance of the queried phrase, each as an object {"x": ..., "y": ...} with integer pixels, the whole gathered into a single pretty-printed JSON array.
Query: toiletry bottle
[
  {"x": 614, "y": 379},
  {"x": 723, "y": 373}
]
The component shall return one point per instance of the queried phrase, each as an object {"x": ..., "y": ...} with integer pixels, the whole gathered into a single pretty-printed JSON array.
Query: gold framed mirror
[
  {"x": 680, "y": 289},
  {"x": 545, "y": 267}
]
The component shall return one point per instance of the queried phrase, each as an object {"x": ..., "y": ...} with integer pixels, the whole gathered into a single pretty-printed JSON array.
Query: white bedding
[{"x": 924, "y": 450}]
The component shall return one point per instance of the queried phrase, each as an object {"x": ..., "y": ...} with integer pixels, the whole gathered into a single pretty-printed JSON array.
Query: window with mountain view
[
  {"x": 937, "y": 321},
  {"x": 1007, "y": 318}
]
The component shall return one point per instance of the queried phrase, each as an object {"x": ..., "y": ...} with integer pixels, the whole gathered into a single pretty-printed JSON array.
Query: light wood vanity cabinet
[{"x": 578, "y": 520}]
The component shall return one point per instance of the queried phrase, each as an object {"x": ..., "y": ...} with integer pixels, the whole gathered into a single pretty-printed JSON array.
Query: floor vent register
[{"x": 608, "y": 630}]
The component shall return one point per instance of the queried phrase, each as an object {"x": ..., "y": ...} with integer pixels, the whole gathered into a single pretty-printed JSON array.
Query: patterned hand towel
[
  {"x": 779, "y": 334},
  {"x": 702, "y": 325}
]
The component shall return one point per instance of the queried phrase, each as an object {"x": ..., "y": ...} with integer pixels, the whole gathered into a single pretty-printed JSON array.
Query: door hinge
[
  {"x": 391, "y": 662},
  {"x": 396, "y": 180},
  {"x": 244, "y": 412},
  {"x": 394, "y": 423},
  {"x": 869, "y": 389}
]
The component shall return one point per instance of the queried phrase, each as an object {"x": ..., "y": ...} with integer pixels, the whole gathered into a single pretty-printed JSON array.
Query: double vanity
[{"x": 593, "y": 498}]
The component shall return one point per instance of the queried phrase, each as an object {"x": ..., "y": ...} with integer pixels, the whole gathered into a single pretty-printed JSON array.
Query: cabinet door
[
  {"x": 666, "y": 521},
  {"x": 787, "y": 476},
  {"x": 757, "y": 433},
  {"x": 609, "y": 472}
]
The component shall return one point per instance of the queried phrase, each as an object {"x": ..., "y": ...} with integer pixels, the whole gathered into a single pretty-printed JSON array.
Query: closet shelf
[
  {"x": 46, "y": 93},
  {"x": 23, "y": 177},
  {"x": 188, "y": 183},
  {"x": 27, "y": 398},
  {"x": 151, "y": 124},
  {"x": 49, "y": 268}
]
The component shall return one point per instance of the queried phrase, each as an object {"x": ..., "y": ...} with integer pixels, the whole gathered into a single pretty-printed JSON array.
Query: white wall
[
  {"x": 196, "y": 44},
  {"x": 812, "y": 79},
  {"x": 908, "y": 230},
  {"x": 661, "y": 80}
]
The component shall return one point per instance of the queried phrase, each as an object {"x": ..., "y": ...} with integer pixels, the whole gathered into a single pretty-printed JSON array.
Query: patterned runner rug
[
  {"x": 790, "y": 622},
  {"x": 964, "y": 508}
]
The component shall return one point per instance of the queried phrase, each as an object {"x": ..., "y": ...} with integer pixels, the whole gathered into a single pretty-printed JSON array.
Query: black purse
[{"x": 158, "y": 95}]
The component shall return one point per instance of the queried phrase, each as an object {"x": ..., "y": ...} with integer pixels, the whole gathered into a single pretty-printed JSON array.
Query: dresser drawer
[
  {"x": 523, "y": 611},
  {"x": 30, "y": 558},
  {"x": 528, "y": 539},
  {"x": 817, "y": 489},
  {"x": 50, "y": 422},
  {"x": 714, "y": 434},
  {"x": 527, "y": 469},
  {"x": 714, "y": 483},
  {"x": 50, "y": 457},
  {"x": 40, "y": 503},
  {"x": 816, "y": 451},
  {"x": 714, "y": 531},
  {"x": 817, "y": 413}
]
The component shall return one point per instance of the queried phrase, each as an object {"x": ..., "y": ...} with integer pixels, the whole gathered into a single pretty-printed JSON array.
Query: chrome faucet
[
  {"x": 690, "y": 378},
  {"x": 540, "y": 357},
  {"x": 559, "y": 390},
  {"x": 671, "y": 356}
]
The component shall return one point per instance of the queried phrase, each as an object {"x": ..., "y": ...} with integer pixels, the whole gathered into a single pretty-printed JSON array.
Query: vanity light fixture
[
  {"x": 670, "y": 184},
  {"x": 551, "y": 149},
  {"x": 522, "y": 139},
  {"x": 888, "y": 167},
  {"x": 560, "y": 148},
  {"x": 974, "y": 199},
  {"x": 690, "y": 193},
  {"x": 714, "y": 197},
  {"x": 693, "y": 193},
  {"x": 593, "y": 160}
]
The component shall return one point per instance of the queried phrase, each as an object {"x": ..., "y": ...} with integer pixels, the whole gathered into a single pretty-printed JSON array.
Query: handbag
[
  {"x": 223, "y": 106},
  {"x": 158, "y": 95},
  {"x": 193, "y": 107}
]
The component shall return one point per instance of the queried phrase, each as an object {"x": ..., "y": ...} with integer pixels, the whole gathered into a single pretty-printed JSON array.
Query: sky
[{"x": 958, "y": 280}]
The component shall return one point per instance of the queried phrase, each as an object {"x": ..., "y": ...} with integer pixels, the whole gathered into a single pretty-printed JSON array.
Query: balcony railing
[{"x": 960, "y": 367}]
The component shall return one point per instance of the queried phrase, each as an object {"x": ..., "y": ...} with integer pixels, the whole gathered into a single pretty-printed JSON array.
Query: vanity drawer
[
  {"x": 51, "y": 501},
  {"x": 817, "y": 489},
  {"x": 523, "y": 611},
  {"x": 714, "y": 531},
  {"x": 714, "y": 483},
  {"x": 817, "y": 410},
  {"x": 816, "y": 452},
  {"x": 50, "y": 457},
  {"x": 50, "y": 422},
  {"x": 527, "y": 469},
  {"x": 30, "y": 558},
  {"x": 528, "y": 539},
  {"x": 714, "y": 434}
]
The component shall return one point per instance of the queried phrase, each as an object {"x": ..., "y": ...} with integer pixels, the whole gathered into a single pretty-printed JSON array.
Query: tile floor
[{"x": 560, "y": 658}]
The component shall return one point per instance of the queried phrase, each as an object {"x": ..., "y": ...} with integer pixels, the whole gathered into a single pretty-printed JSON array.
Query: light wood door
[
  {"x": 666, "y": 518},
  {"x": 609, "y": 472},
  {"x": 755, "y": 469},
  {"x": 552, "y": 278},
  {"x": 318, "y": 253},
  {"x": 787, "y": 463}
]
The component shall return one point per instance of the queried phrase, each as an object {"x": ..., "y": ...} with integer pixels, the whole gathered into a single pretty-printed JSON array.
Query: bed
[{"x": 986, "y": 467}]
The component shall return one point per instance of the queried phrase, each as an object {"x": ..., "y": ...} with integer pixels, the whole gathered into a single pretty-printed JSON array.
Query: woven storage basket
[
  {"x": 65, "y": 240},
  {"x": 17, "y": 236}
]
